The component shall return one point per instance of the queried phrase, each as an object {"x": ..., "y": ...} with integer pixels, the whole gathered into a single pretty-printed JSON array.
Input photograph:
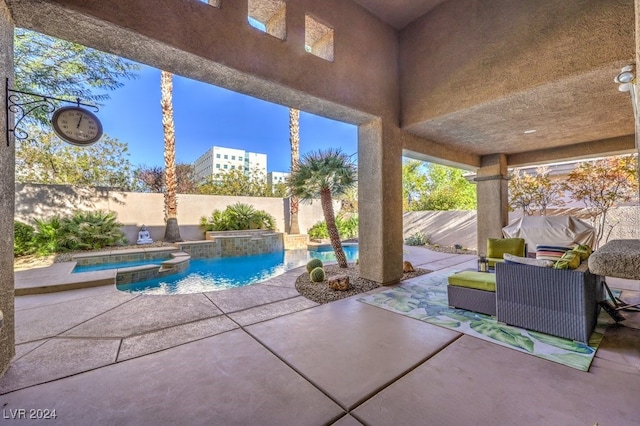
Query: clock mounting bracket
[{"x": 24, "y": 103}]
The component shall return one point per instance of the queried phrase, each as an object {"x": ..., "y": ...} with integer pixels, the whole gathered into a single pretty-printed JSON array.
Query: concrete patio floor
[{"x": 263, "y": 354}]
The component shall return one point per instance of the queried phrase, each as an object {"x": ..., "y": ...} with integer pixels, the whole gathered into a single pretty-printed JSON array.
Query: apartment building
[
  {"x": 217, "y": 160},
  {"x": 274, "y": 178}
]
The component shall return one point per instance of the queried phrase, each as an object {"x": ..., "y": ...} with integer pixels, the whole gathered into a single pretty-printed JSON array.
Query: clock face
[{"x": 76, "y": 125}]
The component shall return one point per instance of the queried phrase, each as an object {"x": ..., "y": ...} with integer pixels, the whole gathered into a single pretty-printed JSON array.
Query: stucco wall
[
  {"x": 7, "y": 165},
  {"x": 134, "y": 209},
  {"x": 446, "y": 228},
  {"x": 193, "y": 39}
]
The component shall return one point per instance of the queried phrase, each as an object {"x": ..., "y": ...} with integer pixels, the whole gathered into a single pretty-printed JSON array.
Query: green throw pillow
[
  {"x": 583, "y": 250},
  {"x": 569, "y": 260},
  {"x": 497, "y": 247}
]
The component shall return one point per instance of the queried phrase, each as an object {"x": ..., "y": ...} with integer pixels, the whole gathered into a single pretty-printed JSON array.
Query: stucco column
[
  {"x": 492, "y": 191},
  {"x": 7, "y": 195},
  {"x": 380, "y": 203},
  {"x": 636, "y": 97}
]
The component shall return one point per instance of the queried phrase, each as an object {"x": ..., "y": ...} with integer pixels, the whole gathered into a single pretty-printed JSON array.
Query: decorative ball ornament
[{"x": 76, "y": 125}]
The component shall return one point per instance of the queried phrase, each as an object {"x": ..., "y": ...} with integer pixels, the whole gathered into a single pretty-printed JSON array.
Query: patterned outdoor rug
[{"x": 425, "y": 298}]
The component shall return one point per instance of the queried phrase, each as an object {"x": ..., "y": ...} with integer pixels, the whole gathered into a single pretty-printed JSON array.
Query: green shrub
[
  {"x": 90, "y": 231},
  {"x": 417, "y": 239},
  {"x": 238, "y": 217},
  {"x": 347, "y": 228},
  {"x": 22, "y": 238},
  {"x": 317, "y": 275},
  {"x": 318, "y": 231},
  {"x": 313, "y": 264},
  {"x": 81, "y": 231},
  {"x": 47, "y": 235},
  {"x": 217, "y": 222}
]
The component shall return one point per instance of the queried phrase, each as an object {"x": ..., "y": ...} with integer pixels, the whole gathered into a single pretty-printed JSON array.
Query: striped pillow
[{"x": 552, "y": 253}]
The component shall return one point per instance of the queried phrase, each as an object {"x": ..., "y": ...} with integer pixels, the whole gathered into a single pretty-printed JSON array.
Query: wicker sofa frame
[{"x": 559, "y": 302}]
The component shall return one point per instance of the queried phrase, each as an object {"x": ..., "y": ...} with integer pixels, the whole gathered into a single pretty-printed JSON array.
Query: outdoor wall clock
[{"x": 76, "y": 125}]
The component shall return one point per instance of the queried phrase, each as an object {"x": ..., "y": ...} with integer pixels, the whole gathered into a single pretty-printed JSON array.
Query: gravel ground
[
  {"x": 322, "y": 293},
  {"x": 447, "y": 249}
]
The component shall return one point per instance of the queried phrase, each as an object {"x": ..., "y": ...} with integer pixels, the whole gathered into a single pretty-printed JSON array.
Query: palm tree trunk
[
  {"x": 172, "y": 231},
  {"x": 294, "y": 139},
  {"x": 329, "y": 218}
]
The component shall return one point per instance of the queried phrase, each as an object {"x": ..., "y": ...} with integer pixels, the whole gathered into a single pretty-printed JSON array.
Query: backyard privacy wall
[
  {"x": 448, "y": 228},
  {"x": 135, "y": 209}
]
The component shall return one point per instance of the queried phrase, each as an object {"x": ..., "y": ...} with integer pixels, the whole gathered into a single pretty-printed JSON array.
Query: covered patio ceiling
[
  {"x": 573, "y": 108},
  {"x": 530, "y": 80}
]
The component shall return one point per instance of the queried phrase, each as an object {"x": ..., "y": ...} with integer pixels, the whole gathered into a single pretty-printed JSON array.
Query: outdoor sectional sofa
[{"x": 559, "y": 302}]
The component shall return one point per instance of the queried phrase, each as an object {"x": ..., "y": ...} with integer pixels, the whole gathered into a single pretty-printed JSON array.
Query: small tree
[
  {"x": 447, "y": 189},
  {"x": 151, "y": 179},
  {"x": 45, "y": 158},
  {"x": 414, "y": 182},
  {"x": 532, "y": 192},
  {"x": 522, "y": 190},
  {"x": 237, "y": 183},
  {"x": 186, "y": 179},
  {"x": 61, "y": 68},
  {"x": 324, "y": 174},
  {"x": 429, "y": 186},
  {"x": 602, "y": 184},
  {"x": 549, "y": 193}
]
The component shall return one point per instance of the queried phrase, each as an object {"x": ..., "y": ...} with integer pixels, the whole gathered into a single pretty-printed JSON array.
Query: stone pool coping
[{"x": 60, "y": 276}]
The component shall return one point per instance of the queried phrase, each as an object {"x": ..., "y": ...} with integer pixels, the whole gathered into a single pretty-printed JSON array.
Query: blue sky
[{"x": 206, "y": 115}]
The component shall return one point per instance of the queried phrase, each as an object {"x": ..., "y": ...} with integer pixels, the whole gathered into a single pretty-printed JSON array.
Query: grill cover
[{"x": 565, "y": 231}]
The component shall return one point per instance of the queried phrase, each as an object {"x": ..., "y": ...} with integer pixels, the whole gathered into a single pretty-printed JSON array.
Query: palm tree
[
  {"x": 325, "y": 174},
  {"x": 172, "y": 231},
  {"x": 294, "y": 139}
]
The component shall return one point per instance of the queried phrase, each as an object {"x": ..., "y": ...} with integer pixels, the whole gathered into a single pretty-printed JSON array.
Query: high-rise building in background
[
  {"x": 274, "y": 178},
  {"x": 218, "y": 160}
]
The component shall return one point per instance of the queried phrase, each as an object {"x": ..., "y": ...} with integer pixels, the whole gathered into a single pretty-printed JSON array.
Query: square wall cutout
[
  {"x": 318, "y": 38},
  {"x": 269, "y": 16},
  {"x": 214, "y": 3}
]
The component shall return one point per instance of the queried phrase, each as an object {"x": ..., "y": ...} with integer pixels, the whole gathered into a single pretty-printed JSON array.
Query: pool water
[
  {"x": 228, "y": 272},
  {"x": 116, "y": 265}
]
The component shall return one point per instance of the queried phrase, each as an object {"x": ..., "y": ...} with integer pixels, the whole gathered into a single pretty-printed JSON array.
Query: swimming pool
[
  {"x": 116, "y": 265},
  {"x": 228, "y": 272}
]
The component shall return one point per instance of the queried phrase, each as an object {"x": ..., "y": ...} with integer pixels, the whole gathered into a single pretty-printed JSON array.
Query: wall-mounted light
[{"x": 626, "y": 78}]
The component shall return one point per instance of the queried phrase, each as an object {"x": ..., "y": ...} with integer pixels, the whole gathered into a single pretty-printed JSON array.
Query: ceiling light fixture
[
  {"x": 527, "y": 132},
  {"x": 627, "y": 81},
  {"x": 626, "y": 78}
]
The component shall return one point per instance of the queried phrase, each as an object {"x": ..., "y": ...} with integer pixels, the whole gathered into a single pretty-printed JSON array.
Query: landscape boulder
[
  {"x": 339, "y": 282},
  {"x": 407, "y": 267}
]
